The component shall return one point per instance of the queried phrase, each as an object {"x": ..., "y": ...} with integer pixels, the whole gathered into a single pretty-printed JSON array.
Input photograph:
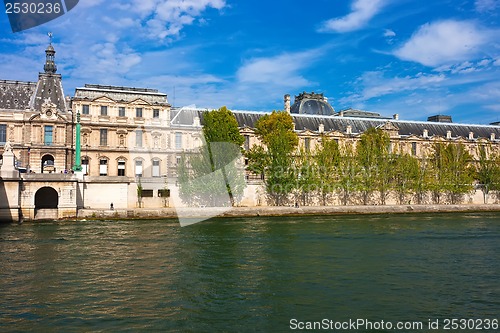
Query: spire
[{"x": 50, "y": 65}]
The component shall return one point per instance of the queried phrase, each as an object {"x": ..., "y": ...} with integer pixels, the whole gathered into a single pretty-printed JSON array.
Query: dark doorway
[
  {"x": 48, "y": 164},
  {"x": 46, "y": 198}
]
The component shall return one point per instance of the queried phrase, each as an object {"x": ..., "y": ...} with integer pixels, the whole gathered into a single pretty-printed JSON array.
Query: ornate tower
[{"x": 50, "y": 64}]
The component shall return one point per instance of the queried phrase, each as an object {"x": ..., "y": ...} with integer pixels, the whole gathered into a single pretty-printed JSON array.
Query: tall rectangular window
[
  {"x": 104, "y": 110},
  {"x": 121, "y": 111},
  {"x": 414, "y": 148},
  {"x": 85, "y": 109},
  {"x": 103, "y": 167},
  {"x": 48, "y": 135},
  {"x": 85, "y": 166},
  {"x": 178, "y": 140},
  {"x": 103, "y": 138},
  {"x": 156, "y": 168},
  {"x": 138, "y": 138},
  {"x": 247, "y": 142},
  {"x": 156, "y": 113},
  {"x": 138, "y": 168},
  {"x": 138, "y": 112},
  {"x": 307, "y": 144},
  {"x": 121, "y": 168},
  {"x": 3, "y": 133}
]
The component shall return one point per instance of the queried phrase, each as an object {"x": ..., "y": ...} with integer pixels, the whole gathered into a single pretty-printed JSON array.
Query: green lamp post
[{"x": 78, "y": 150}]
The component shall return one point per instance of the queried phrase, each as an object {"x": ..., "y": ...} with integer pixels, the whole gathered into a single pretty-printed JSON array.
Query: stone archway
[
  {"x": 46, "y": 202},
  {"x": 48, "y": 163}
]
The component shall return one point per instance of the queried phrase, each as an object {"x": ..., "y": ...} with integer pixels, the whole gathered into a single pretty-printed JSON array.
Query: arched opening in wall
[
  {"x": 46, "y": 202},
  {"x": 48, "y": 165}
]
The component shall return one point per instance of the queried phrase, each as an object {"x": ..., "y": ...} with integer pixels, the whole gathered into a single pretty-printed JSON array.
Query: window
[
  {"x": 103, "y": 167},
  {"x": 414, "y": 148},
  {"x": 138, "y": 138},
  {"x": 178, "y": 160},
  {"x": 138, "y": 112},
  {"x": 103, "y": 140},
  {"x": 147, "y": 193},
  {"x": 3, "y": 133},
  {"x": 138, "y": 168},
  {"x": 121, "y": 111},
  {"x": 121, "y": 168},
  {"x": 164, "y": 193},
  {"x": 156, "y": 113},
  {"x": 247, "y": 142},
  {"x": 178, "y": 140},
  {"x": 307, "y": 144},
  {"x": 48, "y": 135},
  {"x": 85, "y": 109},
  {"x": 156, "y": 168},
  {"x": 104, "y": 110},
  {"x": 85, "y": 166}
]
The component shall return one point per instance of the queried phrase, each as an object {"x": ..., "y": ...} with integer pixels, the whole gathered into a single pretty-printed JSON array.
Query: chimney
[
  {"x": 287, "y": 103},
  {"x": 196, "y": 122},
  {"x": 395, "y": 116},
  {"x": 341, "y": 114},
  {"x": 321, "y": 128},
  {"x": 492, "y": 136},
  {"x": 471, "y": 135},
  {"x": 349, "y": 129},
  {"x": 448, "y": 134},
  {"x": 425, "y": 134}
]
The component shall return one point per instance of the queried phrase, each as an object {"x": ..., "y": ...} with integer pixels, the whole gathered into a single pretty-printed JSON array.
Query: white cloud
[
  {"x": 164, "y": 18},
  {"x": 362, "y": 12},
  {"x": 282, "y": 70},
  {"x": 389, "y": 33},
  {"x": 445, "y": 42},
  {"x": 487, "y": 5},
  {"x": 376, "y": 85}
]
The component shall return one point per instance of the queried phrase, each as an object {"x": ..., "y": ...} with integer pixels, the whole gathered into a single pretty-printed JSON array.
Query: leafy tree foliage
[
  {"x": 276, "y": 132},
  {"x": 214, "y": 173},
  {"x": 488, "y": 171}
]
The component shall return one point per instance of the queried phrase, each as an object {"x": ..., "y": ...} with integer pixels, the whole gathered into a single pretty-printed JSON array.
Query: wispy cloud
[
  {"x": 283, "y": 70},
  {"x": 483, "y": 6},
  {"x": 362, "y": 12},
  {"x": 445, "y": 42}
]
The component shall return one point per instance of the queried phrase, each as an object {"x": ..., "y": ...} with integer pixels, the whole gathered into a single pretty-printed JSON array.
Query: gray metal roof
[
  {"x": 16, "y": 95},
  {"x": 49, "y": 87},
  {"x": 360, "y": 125}
]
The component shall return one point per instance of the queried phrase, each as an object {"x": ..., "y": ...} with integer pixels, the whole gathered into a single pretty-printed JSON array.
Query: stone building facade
[{"x": 132, "y": 141}]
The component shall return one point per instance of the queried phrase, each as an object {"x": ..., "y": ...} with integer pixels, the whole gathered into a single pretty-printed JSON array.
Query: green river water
[{"x": 251, "y": 274}]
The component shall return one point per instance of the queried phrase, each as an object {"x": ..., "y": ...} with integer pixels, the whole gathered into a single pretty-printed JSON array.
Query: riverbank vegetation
[
  {"x": 370, "y": 170},
  {"x": 367, "y": 169}
]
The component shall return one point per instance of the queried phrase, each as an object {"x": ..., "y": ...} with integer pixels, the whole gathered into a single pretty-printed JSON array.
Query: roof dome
[{"x": 311, "y": 103}]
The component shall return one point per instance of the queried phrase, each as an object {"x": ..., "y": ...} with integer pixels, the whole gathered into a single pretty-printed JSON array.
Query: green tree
[
  {"x": 276, "y": 132},
  {"x": 374, "y": 159},
  {"x": 327, "y": 161},
  {"x": 488, "y": 171},
  {"x": 348, "y": 174},
  {"x": 454, "y": 174},
  {"x": 214, "y": 173},
  {"x": 220, "y": 126},
  {"x": 406, "y": 175},
  {"x": 306, "y": 177}
]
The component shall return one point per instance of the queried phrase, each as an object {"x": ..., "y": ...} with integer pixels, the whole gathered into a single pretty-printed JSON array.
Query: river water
[{"x": 248, "y": 274}]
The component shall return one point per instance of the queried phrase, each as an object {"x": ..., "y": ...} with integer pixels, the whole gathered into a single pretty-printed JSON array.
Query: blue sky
[{"x": 408, "y": 57}]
